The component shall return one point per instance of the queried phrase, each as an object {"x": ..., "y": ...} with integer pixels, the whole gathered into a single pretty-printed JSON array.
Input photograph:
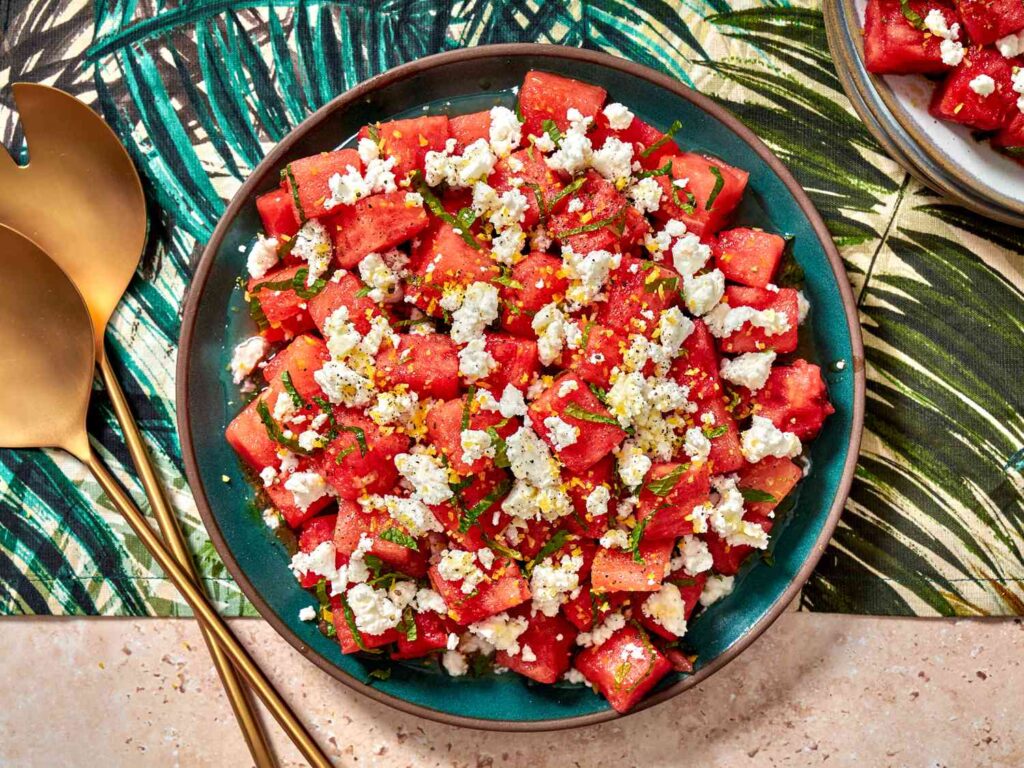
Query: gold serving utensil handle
[
  {"x": 47, "y": 363},
  {"x": 78, "y": 167}
]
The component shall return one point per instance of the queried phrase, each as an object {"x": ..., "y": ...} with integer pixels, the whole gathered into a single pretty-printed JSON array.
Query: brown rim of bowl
[
  {"x": 960, "y": 189},
  {"x": 410, "y": 70}
]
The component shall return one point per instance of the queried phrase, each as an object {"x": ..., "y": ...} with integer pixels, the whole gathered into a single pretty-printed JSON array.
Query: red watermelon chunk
[
  {"x": 504, "y": 588},
  {"x": 428, "y": 365},
  {"x": 351, "y": 639},
  {"x": 772, "y": 479},
  {"x": 306, "y": 180},
  {"x": 301, "y": 359},
  {"x": 344, "y": 292},
  {"x": 989, "y": 20},
  {"x": 466, "y": 129},
  {"x": 894, "y": 45},
  {"x": 570, "y": 399},
  {"x": 689, "y": 205},
  {"x": 616, "y": 570},
  {"x": 748, "y": 256},
  {"x": 639, "y": 291},
  {"x": 955, "y": 100},
  {"x": 544, "y": 96},
  {"x": 536, "y": 281},
  {"x": 795, "y": 399},
  {"x": 284, "y": 501},
  {"x": 526, "y": 170},
  {"x": 408, "y": 141},
  {"x": 361, "y": 458},
  {"x": 670, "y": 492},
  {"x": 549, "y": 640},
  {"x": 373, "y": 225},
  {"x": 689, "y": 588},
  {"x": 697, "y": 367},
  {"x": 283, "y": 309},
  {"x": 249, "y": 438},
  {"x": 444, "y": 429},
  {"x": 624, "y": 668},
  {"x": 518, "y": 362},
  {"x": 579, "y": 487},
  {"x": 1010, "y": 140},
  {"x": 432, "y": 632},
  {"x": 444, "y": 260},
  {"x": 720, "y": 428},
  {"x": 353, "y": 523},
  {"x": 645, "y": 138},
  {"x": 602, "y": 222},
  {"x": 602, "y": 352},
  {"x": 277, "y": 213}
]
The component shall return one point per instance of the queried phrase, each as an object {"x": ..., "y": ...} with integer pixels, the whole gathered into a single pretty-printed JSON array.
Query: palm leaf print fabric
[{"x": 199, "y": 91}]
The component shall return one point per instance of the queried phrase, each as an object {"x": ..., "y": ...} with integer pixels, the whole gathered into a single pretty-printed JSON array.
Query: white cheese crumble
[
  {"x": 602, "y": 633},
  {"x": 550, "y": 326},
  {"x": 614, "y": 160},
  {"x": 475, "y": 362},
  {"x": 983, "y": 85},
  {"x": 615, "y": 538},
  {"x": 476, "y": 444},
  {"x": 478, "y": 309},
  {"x": 561, "y": 433},
  {"x": 409, "y": 512},
  {"x": 597, "y": 501},
  {"x": 715, "y": 589},
  {"x": 306, "y": 488},
  {"x": 952, "y": 52},
  {"x": 646, "y": 195},
  {"x": 512, "y": 402},
  {"x": 695, "y": 556},
  {"x": 262, "y": 257},
  {"x": 634, "y": 464},
  {"x": 455, "y": 663},
  {"x": 383, "y": 274},
  {"x": 1011, "y": 46},
  {"x": 726, "y": 517},
  {"x": 935, "y": 22},
  {"x": 246, "y": 356},
  {"x": 701, "y": 293},
  {"x": 696, "y": 444},
  {"x": 502, "y": 631},
  {"x": 427, "y": 600},
  {"x": 456, "y": 564},
  {"x": 619, "y": 116},
  {"x": 313, "y": 245},
  {"x": 588, "y": 275},
  {"x": 667, "y": 607},
  {"x": 427, "y": 476},
  {"x": 689, "y": 254},
  {"x": 552, "y": 583},
  {"x": 343, "y": 385},
  {"x": 394, "y": 408},
  {"x": 750, "y": 370},
  {"x": 505, "y": 132},
  {"x": 724, "y": 320},
  {"x": 308, "y": 613},
  {"x": 373, "y": 610},
  {"x": 763, "y": 439}
]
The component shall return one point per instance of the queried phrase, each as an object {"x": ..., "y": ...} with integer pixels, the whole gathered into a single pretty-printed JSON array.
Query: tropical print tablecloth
[{"x": 199, "y": 91}]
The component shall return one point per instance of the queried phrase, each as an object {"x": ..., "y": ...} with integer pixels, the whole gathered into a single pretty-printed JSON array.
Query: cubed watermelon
[
  {"x": 353, "y": 523},
  {"x": 624, "y": 668},
  {"x": 712, "y": 192},
  {"x": 795, "y": 399},
  {"x": 989, "y": 20},
  {"x": 601, "y": 222},
  {"x": 748, "y": 256},
  {"x": 360, "y": 459},
  {"x": 518, "y": 362},
  {"x": 536, "y": 280},
  {"x": 753, "y": 338},
  {"x": 896, "y": 41},
  {"x": 1010, "y": 140},
  {"x": 431, "y": 635},
  {"x": 408, "y": 141},
  {"x": 466, "y": 129},
  {"x": 544, "y": 96},
  {"x": 504, "y": 588},
  {"x": 956, "y": 100},
  {"x": 281, "y": 311},
  {"x": 277, "y": 213},
  {"x": 616, "y": 570},
  {"x": 697, "y": 366},
  {"x": 771, "y": 479},
  {"x": 306, "y": 180},
  {"x": 444, "y": 260},
  {"x": 351, "y": 639},
  {"x": 670, "y": 492},
  {"x": 639, "y": 291},
  {"x": 444, "y": 429},
  {"x": 602, "y": 352},
  {"x": 344, "y": 291},
  {"x": 428, "y": 365},
  {"x": 579, "y": 486},
  {"x": 526, "y": 171},
  {"x": 548, "y": 641},
  {"x": 714, "y": 418},
  {"x": 375, "y": 224}
]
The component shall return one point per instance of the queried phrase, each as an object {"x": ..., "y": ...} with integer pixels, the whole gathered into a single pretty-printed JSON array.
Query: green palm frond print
[{"x": 200, "y": 91}]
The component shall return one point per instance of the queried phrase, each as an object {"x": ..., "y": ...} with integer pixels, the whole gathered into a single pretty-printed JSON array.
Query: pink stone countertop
[{"x": 814, "y": 690}]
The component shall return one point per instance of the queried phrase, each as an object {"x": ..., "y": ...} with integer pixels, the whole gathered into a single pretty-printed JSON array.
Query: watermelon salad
[
  {"x": 525, "y": 393},
  {"x": 973, "y": 48}
]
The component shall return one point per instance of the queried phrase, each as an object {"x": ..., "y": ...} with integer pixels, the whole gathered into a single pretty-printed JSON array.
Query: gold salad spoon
[
  {"x": 81, "y": 199},
  {"x": 47, "y": 363}
]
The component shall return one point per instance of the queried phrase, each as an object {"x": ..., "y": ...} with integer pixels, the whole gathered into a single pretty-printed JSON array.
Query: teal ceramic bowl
[{"x": 462, "y": 81}]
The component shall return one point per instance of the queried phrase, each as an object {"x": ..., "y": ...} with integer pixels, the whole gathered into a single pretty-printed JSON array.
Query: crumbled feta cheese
[
  {"x": 343, "y": 385},
  {"x": 667, "y": 608},
  {"x": 368, "y": 150},
  {"x": 615, "y": 539},
  {"x": 529, "y": 502},
  {"x": 674, "y": 328},
  {"x": 619, "y": 116},
  {"x": 394, "y": 408},
  {"x": 476, "y": 163},
  {"x": 561, "y": 433},
  {"x": 689, "y": 255},
  {"x": 511, "y": 403},
  {"x": 588, "y": 274},
  {"x": 476, "y": 444},
  {"x": 724, "y": 320},
  {"x": 459, "y": 564},
  {"x": 505, "y": 131},
  {"x": 625, "y": 398},
  {"x": 703, "y": 292},
  {"x": 306, "y": 488},
  {"x": 308, "y": 613},
  {"x": 696, "y": 557},
  {"x": 530, "y": 460},
  {"x": 1011, "y": 46},
  {"x": 428, "y": 477},
  {"x": 696, "y": 444},
  {"x": 665, "y": 394},
  {"x": 246, "y": 356},
  {"x": 475, "y": 362},
  {"x": 510, "y": 210},
  {"x": 378, "y": 274},
  {"x": 597, "y": 501},
  {"x": 573, "y": 154},
  {"x": 763, "y": 439},
  {"x": 321, "y": 562},
  {"x": 379, "y": 176},
  {"x": 952, "y": 53},
  {"x": 427, "y": 600},
  {"x": 413, "y": 200},
  {"x": 726, "y": 518},
  {"x": 552, "y": 583},
  {"x": 1017, "y": 82},
  {"x": 750, "y": 370},
  {"x": 601, "y": 634},
  {"x": 313, "y": 245},
  {"x": 983, "y": 85},
  {"x": 634, "y": 464},
  {"x": 550, "y": 326},
  {"x": 262, "y": 257},
  {"x": 646, "y": 195},
  {"x": 715, "y": 589},
  {"x": 374, "y": 612},
  {"x": 346, "y": 188},
  {"x": 935, "y": 22},
  {"x": 567, "y": 387},
  {"x": 614, "y": 160},
  {"x": 803, "y": 307},
  {"x": 508, "y": 245},
  {"x": 479, "y": 309},
  {"x": 454, "y": 663},
  {"x": 502, "y": 631},
  {"x": 409, "y": 512}
]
